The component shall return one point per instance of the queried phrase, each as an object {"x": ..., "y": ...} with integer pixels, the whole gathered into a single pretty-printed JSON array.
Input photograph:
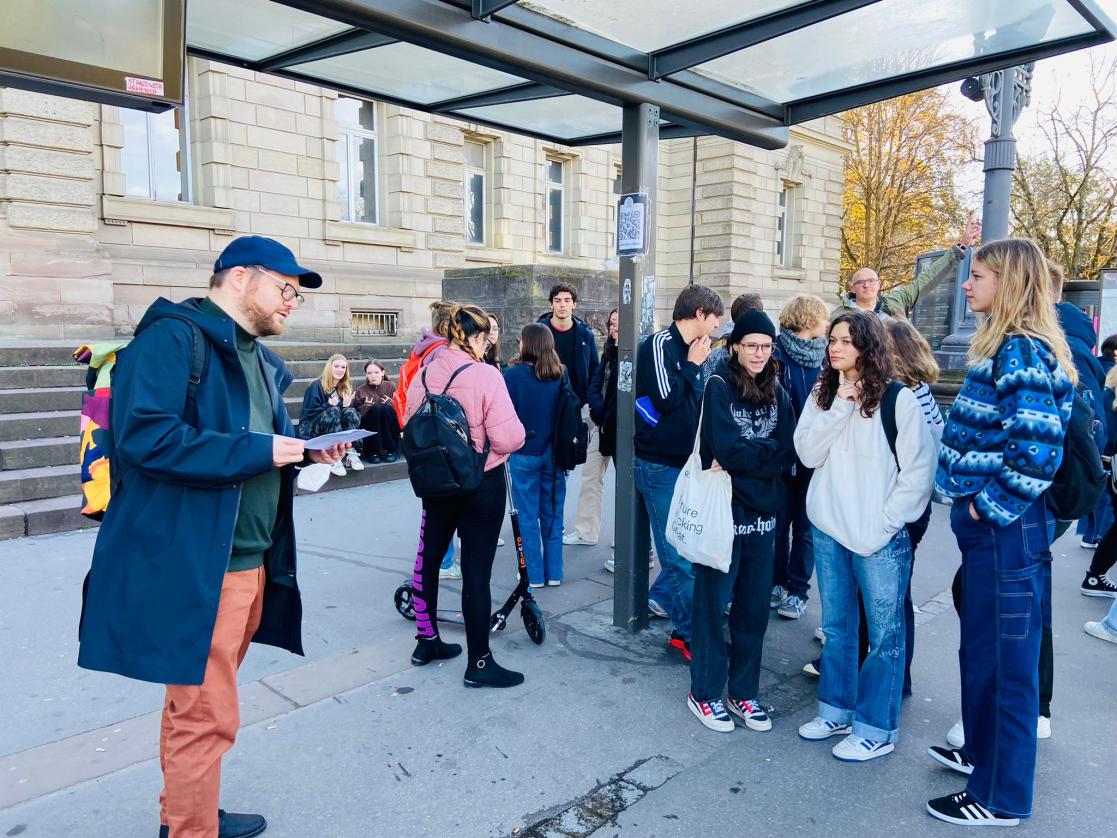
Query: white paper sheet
[{"x": 321, "y": 443}]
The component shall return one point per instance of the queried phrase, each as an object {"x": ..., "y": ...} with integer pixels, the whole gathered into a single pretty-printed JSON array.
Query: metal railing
[{"x": 367, "y": 323}]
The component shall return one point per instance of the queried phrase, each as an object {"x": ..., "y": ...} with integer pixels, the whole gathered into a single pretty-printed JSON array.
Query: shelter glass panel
[
  {"x": 405, "y": 71},
  {"x": 648, "y": 25},
  {"x": 254, "y": 29},
  {"x": 566, "y": 117},
  {"x": 903, "y": 36}
]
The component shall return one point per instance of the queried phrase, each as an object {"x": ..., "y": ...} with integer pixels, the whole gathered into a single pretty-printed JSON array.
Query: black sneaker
[
  {"x": 963, "y": 810},
  {"x": 679, "y": 642},
  {"x": 231, "y": 825},
  {"x": 1098, "y": 586},
  {"x": 429, "y": 649},
  {"x": 951, "y": 758},
  {"x": 485, "y": 672}
]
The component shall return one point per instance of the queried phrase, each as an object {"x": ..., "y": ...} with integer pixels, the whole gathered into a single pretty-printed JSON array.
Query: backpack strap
[
  {"x": 198, "y": 360},
  {"x": 888, "y": 416},
  {"x": 453, "y": 375}
]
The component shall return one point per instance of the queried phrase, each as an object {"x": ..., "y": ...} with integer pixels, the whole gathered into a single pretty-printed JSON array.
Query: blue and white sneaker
[
  {"x": 818, "y": 728},
  {"x": 711, "y": 713},
  {"x": 751, "y": 713},
  {"x": 859, "y": 749},
  {"x": 657, "y": 610}
]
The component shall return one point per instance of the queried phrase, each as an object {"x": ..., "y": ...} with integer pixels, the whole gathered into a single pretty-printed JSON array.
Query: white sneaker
[
  {"x": 657, "y": 610},
  {"x": 353, "y": 461},
  {"x": 859, "y": 749},
  {"x": 338, "y": 468},
  {"x": 1096, "y": 629},
  {"x": 454, "y": 571},
  {"x": 499, "y": 541},
  {"x": 818, "y": 728},
  {"x": 1089, "y": 545},
  {"x": 577, "y": 540},
  {"x": 1043, "y": 728},
  {"x": 819, "y": 635},
  {"x": 956, "y": 736},
  {"x": 611, "y": 564},
  {"x": 711, "y": 713}
]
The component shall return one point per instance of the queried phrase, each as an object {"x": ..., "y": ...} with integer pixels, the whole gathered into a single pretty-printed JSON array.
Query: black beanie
[{"x": 752, "y": 322}]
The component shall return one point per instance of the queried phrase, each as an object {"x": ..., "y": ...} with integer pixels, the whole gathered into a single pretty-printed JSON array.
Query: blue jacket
[
  {"x": 536, "y": 404},
  {"x": 585, "y": 361},
  {"x": 1079, "y": 329},
  {"x": 150, "y": 599}
]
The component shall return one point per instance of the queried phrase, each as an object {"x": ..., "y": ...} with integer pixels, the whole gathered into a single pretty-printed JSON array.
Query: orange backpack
[{"x": 407, "y": 372}]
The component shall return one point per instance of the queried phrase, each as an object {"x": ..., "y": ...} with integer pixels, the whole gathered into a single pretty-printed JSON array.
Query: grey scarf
[{"x": 805, "y": 353}]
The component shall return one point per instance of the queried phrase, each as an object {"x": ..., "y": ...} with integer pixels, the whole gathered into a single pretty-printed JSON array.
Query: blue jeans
[
  {"x": 1004, "y": 573},
  {"x": 674, "y": 587},
  {"x": 539, "y": 491},
  {"x": 794, "y": 537},
  {"x": 1097, "y": 523},
  {"x": 869, "y": 699},
  {"x": 1110, "y": 619}
]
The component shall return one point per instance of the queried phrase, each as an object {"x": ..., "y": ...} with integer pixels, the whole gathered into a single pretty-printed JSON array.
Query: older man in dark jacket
[{"x": 196, "y": 554}]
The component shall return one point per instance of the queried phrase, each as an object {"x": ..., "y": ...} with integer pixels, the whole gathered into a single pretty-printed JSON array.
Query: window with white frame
[
  {"x": 358, "y": 175},
  {"x": 787, "y": 226},
  {"x": 156, "y": 153},
  {"x": 556, "y": 205},
  {"x": 476, "y": 193}
]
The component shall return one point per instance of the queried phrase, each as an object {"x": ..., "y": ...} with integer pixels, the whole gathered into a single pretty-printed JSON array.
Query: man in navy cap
[{"x": 196, "y": 553}]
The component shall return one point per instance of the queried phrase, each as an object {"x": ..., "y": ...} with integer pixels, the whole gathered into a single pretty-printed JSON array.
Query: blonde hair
[
  {"x": 803, "y": 311},
  {"x": 440, "y": 316},
  {"x": 329, "y": 383},
  {"x": 911, "y": 354},
  {"x": 464, "y": 322},
  {"x": 1022, "y": 303}
]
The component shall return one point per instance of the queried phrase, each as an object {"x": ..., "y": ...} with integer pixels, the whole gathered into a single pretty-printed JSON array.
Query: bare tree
[
  {"x": 1065, "y": 197},
  {"x": 900, "y": 198}
]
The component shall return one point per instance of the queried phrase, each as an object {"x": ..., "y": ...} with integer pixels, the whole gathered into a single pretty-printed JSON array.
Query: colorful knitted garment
[{"x": 1003, "y": 440}]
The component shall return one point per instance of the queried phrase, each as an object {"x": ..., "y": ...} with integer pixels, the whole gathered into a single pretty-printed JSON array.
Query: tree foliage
[
  {"x": 1065, "y": 196},
  {"x": 900, "y": 198}
]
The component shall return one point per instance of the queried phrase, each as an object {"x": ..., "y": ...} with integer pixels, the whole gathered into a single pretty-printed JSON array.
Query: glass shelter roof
[{"x": 562, "y": 69}]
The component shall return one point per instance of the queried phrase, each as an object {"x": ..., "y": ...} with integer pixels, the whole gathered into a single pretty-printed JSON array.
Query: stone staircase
[{"x": 41, "y": 391}]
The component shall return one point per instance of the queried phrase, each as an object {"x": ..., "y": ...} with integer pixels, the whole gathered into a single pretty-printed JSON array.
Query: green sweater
[
  {"x": 259, "y": 496},
  {"x": 900, "y": 300}
]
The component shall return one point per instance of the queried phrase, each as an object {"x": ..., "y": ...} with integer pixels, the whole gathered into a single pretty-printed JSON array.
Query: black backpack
[
  {"x": 568, "y": 448},
  {"x": 1081, "y": 477},
  {"x": 888, "y": 416},
  {"x": 441, "y": 460}
]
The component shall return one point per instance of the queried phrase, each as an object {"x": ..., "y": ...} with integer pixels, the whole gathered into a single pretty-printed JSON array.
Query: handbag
[{"x": 700, "y": 518}]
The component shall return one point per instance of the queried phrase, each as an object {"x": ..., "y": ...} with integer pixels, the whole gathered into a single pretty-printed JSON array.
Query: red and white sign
[{"x": 144, "y": 87}]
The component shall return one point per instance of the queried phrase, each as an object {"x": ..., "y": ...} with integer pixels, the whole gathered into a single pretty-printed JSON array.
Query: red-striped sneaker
[
  {"x": 750, "y": 712},
  {"x": 711, "y": 713}
]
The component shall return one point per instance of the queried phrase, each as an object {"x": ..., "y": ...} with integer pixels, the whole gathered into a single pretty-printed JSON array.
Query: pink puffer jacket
[{"x": 480, "y": 390}]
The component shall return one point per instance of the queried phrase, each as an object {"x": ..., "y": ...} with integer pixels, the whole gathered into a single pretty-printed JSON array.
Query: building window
[
  {"x": 156, "y": 153},
  {"x": 476, "y": 194},
  {"x": 556, "y": 205},
  {"x": 356, "y": 159},
  {"x": 369, "y": 323},
  {"x": 787, "y": 226}
]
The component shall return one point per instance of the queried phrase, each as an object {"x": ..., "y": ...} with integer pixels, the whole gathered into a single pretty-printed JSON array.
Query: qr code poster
[{"x": 632, "y": 225}]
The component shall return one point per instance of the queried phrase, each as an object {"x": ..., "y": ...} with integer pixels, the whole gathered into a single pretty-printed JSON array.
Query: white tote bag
[{"x": 700, "y": 521}]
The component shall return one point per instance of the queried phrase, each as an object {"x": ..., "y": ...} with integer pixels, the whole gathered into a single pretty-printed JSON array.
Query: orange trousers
[{"x": 200, "y": 722}]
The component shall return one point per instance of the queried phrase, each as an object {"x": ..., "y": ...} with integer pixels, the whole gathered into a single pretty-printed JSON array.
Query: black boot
[
  {"x": 488, "y": 673},
  {"x": 433, "y": 649},
  {"x": 231, "y": 825}
]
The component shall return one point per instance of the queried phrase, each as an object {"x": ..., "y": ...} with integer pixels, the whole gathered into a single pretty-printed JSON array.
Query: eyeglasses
[
  {"x": 754, "y": 348},
  {"x": 864, "y": 283},
  {"x": 289, "y": 291}
]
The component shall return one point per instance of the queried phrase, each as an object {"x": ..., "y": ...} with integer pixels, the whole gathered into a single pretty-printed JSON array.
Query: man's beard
[{"x": 261, "y": 321}]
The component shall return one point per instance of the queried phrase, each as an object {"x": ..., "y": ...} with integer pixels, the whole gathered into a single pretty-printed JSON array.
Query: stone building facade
[{"x": 103, "y": 210}]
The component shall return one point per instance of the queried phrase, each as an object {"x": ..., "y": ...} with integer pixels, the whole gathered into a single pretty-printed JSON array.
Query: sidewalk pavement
[{"x": 352, "y": 741}]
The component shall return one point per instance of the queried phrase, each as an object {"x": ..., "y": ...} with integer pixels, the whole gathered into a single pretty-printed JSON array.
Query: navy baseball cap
[{"x": 253, "y": 251}]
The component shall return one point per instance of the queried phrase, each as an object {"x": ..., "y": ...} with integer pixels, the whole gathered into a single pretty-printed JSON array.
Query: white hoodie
[{"x": 857, "y": 496}]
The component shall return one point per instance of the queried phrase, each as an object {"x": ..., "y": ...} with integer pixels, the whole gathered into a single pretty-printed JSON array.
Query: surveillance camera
[{"x": 973, "y": 89}]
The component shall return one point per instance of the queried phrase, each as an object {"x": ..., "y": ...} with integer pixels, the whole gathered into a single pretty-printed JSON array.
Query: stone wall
[{"x": 80, "y": 258}]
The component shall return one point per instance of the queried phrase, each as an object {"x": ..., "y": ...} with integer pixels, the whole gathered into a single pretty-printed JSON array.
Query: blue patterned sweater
[{"x": 1003, "y": 440}]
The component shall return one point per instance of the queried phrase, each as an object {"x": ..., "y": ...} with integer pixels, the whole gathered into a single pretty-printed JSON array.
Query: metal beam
[
  {"x": 854, "y": 97},
  {"x": 342, "y": 43},
  {"x": 496, "y": 44},
  {"x": 639, "y": 173},
  {"x": 666, "y": 132},
  {"x": 506, "y": 95},
  {"x": 699, "y": 50},
  {"x": 484, "y": 8}
]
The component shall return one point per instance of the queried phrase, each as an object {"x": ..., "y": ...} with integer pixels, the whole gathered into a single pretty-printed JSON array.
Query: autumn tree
[
  {"x": 900, "y": 198},
  {"x": 1065, "y": 196}
]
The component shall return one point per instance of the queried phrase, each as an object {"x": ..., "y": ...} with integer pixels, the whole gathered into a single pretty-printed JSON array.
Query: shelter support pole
[{"x": 636, "y": 311}]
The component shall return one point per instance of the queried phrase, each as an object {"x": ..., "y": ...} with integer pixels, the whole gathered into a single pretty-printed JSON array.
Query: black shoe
[
  {"x": 231, "y": 825},
  {"x": 963, "y": 810},
  {"x": 1098, "y": 586},
  {"x": 391, "y": 457},
  {"x": 488, "y": 673},
  {"x": 433, "y": 649},
  {"x": 951, "y": 758},
  {"x": 677, "y": 641},
  {"x": 374, "y": 460}
]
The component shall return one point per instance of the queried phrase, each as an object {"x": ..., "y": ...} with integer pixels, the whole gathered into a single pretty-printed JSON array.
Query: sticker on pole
[{"x": 632, "y": 225}]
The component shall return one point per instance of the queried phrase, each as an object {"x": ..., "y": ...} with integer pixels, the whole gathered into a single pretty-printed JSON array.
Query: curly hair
[{"x": 874, "y": 362}]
